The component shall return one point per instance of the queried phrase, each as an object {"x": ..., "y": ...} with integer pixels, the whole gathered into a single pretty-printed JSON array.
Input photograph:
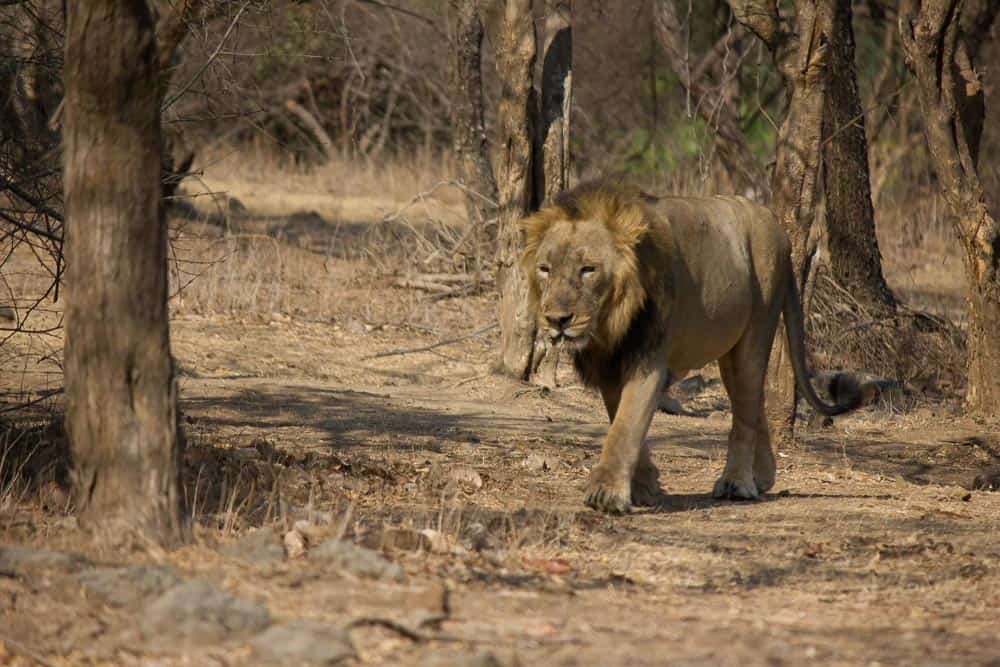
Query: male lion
[{"x": 644, "y": 289}]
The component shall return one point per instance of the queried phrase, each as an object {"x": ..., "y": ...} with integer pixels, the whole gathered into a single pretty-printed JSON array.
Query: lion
[{"x": 644, "y": 289}]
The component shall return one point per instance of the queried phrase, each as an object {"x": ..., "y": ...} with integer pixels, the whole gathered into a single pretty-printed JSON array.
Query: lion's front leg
[{"x": 611, "y": 481}]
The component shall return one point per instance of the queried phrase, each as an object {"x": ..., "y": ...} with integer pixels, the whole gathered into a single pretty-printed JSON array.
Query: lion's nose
[{"x": 559, "y": 321}]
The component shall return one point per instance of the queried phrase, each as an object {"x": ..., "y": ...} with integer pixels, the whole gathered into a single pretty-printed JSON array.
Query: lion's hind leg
[
  {"x": 744, "y": 381},
  {"x": 764, "y": 468}
]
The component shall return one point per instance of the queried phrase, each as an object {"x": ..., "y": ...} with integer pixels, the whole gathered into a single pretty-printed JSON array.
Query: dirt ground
[{"x": 462, "y": 492}]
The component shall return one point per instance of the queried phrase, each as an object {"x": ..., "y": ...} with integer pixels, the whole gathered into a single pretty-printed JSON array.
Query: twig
[
  {"x": 417, "y": 636},
  {"x": 440, "y": 343},
  {"x": 215, "y": 54},
  {"x": 30, "y": 228},
  {"x": 467, "y": 381},
  {"x": 34, "y": 401}
]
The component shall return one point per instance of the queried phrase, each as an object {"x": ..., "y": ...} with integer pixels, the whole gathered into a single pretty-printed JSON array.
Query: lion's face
[
  {"x": 573, "y": 273},
  {"x": 582, "y": 268}
]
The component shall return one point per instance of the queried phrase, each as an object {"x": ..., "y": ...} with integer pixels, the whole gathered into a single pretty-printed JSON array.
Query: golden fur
[{"x": 643, "y": 290}]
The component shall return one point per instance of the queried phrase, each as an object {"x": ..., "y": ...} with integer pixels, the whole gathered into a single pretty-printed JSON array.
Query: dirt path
[{"x": 867, "y": 552}]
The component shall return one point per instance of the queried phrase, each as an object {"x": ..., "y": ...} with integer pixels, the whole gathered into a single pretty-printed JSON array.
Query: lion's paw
[
  {"x": 607, "y": 494},
  {"x": 646, "y": 491},
  {"x": 734, "y": 489},
  {"x": 763, "y": 475}
]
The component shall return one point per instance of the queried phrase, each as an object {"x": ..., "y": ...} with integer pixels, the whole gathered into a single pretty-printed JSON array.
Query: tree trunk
[
  {"x": 471, "y": 146},
  {"x": 513, "y": 38},
  {"x": 855, "y": 261},
  {"x": 950, "y": 95},
  {"x": 121, "y": 397},
  {"x": 552, "y": 161},
  {"x": 551, "y": 156},
  {"x": 801, "y": 57}
]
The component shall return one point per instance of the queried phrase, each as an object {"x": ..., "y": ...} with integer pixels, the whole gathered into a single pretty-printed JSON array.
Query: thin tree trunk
[
  {"x": 551, "y": 157},
  {"x": 121, "y": 397},
  {"x": 471, "y": 146},
  {"x": 855, "y": 261},
  {"x": 950, "y": 95},
  {"x": 801, "y": 57},
  {"x": 513, "y": 38},
  {"x": 552, "y": 161}
]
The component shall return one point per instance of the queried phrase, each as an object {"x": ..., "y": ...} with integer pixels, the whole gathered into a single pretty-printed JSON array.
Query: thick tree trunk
[
  {"x": 801, "y": 56},
  {"x": 513, "y": 38},
  {"x": 855, "y": 261},
  {"x": 951, "y": 101},
  {"x": 471, "y": 146},
  {"x": 121, "y": 397}
]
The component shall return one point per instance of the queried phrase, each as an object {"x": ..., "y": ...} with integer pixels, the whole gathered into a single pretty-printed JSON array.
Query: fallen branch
[
  {"x": 420, "y": 637},
  {"x": 427, "y": 348}
]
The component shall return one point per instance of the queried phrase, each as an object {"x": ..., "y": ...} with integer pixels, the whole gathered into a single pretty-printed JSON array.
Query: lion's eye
[
  {"x": 587, "y": 271},
  {"x": 543, "y": 269}
]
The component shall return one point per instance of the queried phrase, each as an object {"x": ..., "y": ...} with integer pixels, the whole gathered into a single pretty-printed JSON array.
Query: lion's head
[{"x": 581, "y": 261}]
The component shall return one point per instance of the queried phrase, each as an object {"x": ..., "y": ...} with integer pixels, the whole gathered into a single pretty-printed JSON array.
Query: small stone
[
  {"x": 356, "y": 327},
  {"x": 257, "y": 547},
  {"x": 295, "y": 544},
  {"x": 126, "y": 586},
  {"x": 536, "y": 461},
  {"x": 197, "y": 613},
  {"x": 303, "y": 641},
  {"x": 357, "y": 560},
  {"x": 717, "y": 416}
]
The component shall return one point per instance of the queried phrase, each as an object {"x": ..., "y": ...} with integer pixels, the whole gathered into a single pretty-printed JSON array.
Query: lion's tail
[{"x": 848, "y": 394}]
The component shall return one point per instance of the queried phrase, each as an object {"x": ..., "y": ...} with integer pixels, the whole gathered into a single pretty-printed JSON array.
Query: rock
[
  {"x": 536, "y": 461},
  {"x": 197, "y": 613},
  {"x": 303, "y": 642},
  {"x": 718, "y": 417},
  {"x": 126, "y": 586},
  {"x": 295, "y": 544},
  {"x": 357, "y": 560},
  {"x": 27, "y": 562},
  {"x": 256, "y": 547}
]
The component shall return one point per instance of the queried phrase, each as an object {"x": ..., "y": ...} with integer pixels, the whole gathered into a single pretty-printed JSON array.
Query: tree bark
[
  {"x": 551, "y": 152},
  {"x": 513, "y": 38},
  {"x": 800, "y": 55},
  {"x": 552, "y": 157},
  {"x": 121, "y": 396},
  {"x": 950, "y": 95},
  {"x": 471, "y": 145},
  {"x": 855, "y": 261}
]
